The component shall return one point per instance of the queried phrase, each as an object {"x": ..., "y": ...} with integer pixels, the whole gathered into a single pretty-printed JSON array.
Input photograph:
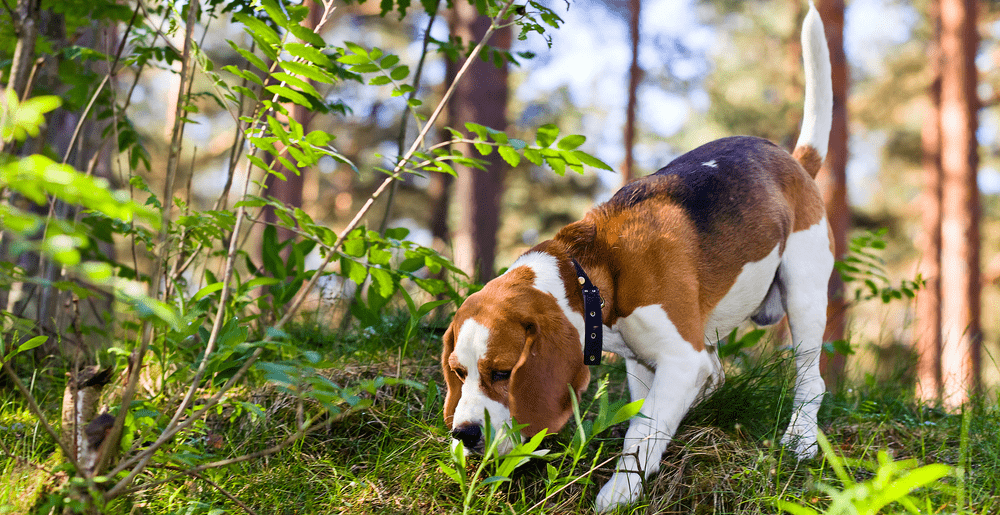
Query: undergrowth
[{"x": 389, "y": 458}]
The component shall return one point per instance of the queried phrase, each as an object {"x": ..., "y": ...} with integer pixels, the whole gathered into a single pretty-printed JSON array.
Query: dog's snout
[{"x": 469, "y": 434}]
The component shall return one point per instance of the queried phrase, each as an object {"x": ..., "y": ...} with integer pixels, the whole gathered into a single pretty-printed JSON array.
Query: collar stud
[{"x": 593, "y": 322}]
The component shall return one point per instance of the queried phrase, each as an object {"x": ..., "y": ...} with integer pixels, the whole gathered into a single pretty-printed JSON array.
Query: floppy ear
[
  {"x": 451, "y": 379},
  {"x": 550, "y": 367}
]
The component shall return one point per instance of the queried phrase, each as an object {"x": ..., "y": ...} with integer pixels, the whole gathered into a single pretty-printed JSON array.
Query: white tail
[{"x": 817, "y": 115}]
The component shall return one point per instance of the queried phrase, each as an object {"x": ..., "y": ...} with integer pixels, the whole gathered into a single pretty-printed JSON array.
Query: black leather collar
[{"x": 593, "y": 324}]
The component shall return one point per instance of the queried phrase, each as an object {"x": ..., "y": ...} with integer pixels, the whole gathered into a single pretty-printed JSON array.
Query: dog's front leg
[{"x": 675, "y": 384}]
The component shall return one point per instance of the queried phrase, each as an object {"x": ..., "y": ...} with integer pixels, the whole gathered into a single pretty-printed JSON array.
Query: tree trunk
[
  {"x": 439, "y": 192},
  {"x": 480, "y": 97},
  {"x": 833, "y": 181},
  {"x": 26, "y": 19},
  {"x": 927, "y": 330},
  {"x": 960, "y": 268},
  {"x": 289, "y": 191},
  {"x": 26, "y": 27},
  {"x": 634, "y": 76}
]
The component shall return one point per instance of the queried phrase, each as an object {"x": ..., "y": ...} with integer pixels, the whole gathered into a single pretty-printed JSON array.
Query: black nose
[{"x": 468, "y": 434}]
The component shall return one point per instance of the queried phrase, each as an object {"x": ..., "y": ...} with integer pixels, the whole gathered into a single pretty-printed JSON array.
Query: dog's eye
[
  {"x": 500, "y": 375},
  {"x": 460, "y": 372}
]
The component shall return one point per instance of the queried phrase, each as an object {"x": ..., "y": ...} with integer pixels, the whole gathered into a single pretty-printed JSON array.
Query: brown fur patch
[
  {"x": 809, "y": 158},
  {"x": 531, "y": 338}
]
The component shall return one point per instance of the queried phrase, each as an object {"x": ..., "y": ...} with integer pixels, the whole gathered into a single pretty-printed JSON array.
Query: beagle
[{"x": 733, "y": 230}]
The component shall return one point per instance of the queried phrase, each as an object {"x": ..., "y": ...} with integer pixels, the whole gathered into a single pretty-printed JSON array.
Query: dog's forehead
[
  {"x": 471, "y": 342},
  {"x": 499, "y": 343}
]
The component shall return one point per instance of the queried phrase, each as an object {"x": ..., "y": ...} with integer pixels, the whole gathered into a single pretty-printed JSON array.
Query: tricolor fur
[{"x": 731, "y": 231}]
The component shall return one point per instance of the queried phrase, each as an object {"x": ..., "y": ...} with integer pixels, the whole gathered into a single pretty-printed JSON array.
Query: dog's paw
[
  {"x": 621, "y": 490},
  {"x": 804, "y": 446}
]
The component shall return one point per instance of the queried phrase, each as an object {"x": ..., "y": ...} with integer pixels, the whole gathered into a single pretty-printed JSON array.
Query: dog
[{"x": 733, "y": 230}]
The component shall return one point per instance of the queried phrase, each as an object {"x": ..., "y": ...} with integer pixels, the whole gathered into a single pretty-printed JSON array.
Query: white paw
[
  {"x": 804, "y": 446},
  {"x": 621, "y": 490}
]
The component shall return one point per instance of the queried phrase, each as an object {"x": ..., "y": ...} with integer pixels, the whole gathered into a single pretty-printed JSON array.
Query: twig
[{"x": 401, "y": 139}]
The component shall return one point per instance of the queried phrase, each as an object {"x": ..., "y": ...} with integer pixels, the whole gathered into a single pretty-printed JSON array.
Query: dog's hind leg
[{"x": 804, "y": 272}]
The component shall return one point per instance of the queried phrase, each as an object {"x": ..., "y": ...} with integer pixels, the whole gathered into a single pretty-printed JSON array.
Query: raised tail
[{"x": 817, "y": 116}]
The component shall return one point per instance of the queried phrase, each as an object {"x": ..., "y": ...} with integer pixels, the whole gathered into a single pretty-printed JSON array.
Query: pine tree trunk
[
  {"x": 289, "y": 191},
  {"x": 833, "y": 181},
  {"x": 634, "y": 76},
  {"x": 927, "y": 330},
  {"x": 960, "y": 267},
  {"x": 439, "y": 192},
  {"x": 480, "y": 97}
]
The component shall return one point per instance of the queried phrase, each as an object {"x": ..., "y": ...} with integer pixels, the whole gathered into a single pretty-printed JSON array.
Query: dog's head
[{"x": 510, "y": 351}]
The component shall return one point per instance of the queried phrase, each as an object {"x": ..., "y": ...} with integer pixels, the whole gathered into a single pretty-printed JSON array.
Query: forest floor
[{"x": 391, "y": 458}]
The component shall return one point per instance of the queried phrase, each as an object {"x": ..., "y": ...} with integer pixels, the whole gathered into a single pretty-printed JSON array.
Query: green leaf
[
  {"x": 380, "y": 80},
  {"x": 266, "y": 38},
  {"x": 571, "y": 142},
  {"x": 510, "y": 155},
  {"x": 356, "y": 48},
  {"x": 590, "y": 160},
  {"x": 483, "y": 148},
  {"x": 208, "y": 290},
  {"x": 308, "y": 71},
  {"x": 353, "y": 59},
  {"x": 307, "y": 35},
  {"x": 292, "y": 80},
  {"x": 388, "y": 62},
  {"x": 478, "y": 130},
  {"x": 533, "y": 155},
  {"x": 290, "y": 94},
  {"x": 383, "y": 281},
  {"x": 30, "y": 344},
  {"x": 546, "y": 135},
  {"x": 309, "y": 53},
  {"x": 450, "y": 472},
  {"x": 555, "y": 161},
  {"x": 353, "y": 270},
  {"x": 626, "y": 412},
  {"x": 794, "y": 509},
  {"x": 400, "y": 73}
]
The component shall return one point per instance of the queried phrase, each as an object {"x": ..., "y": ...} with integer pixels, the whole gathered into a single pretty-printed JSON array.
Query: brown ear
[
  {"x": 550, "y": 365},
  {"x": 451, "y": 379}
]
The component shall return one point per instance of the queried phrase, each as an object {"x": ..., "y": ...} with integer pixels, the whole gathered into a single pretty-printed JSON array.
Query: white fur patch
[
  {"x": 743, "y": 297},
  {"x": 470, "y": 347},
  {"x": 549, "y": 280},
  {"x": 817, "y": 115},
  {"x": 679, "y": 374},
  {"x": 805, "y": 270}
]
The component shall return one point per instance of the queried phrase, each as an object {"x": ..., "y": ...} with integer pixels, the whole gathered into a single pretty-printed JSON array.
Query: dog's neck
[{"x": 577, "y": 241}]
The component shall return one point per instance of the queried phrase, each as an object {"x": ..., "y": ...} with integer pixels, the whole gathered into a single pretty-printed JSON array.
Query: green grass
[{"x": 384, "y": 459}]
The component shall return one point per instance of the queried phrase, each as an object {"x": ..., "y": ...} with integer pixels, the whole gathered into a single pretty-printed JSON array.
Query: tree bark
[
  {"x": 26, "y": 26},
  {"x": 634, "y": 76},
  {"x": 833, "y": 181},
  {"x": 927, "y": 329},
  {"x": 480, "y": 97},
  {"x": 960, "y": 267},
  {"x": 289, "y": 191}
]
